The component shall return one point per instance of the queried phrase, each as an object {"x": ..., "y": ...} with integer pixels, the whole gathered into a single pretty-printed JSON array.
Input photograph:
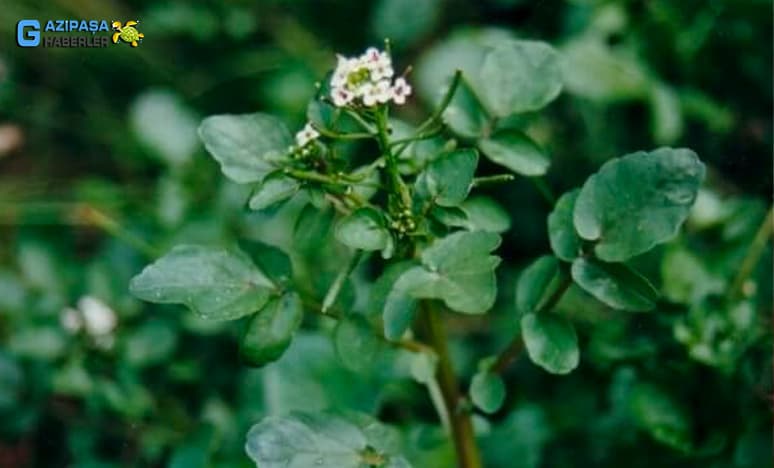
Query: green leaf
[
  {"x": 312, "y": 228},
  {"x": 487, "y": 390},
  {"x": 456, "y": 269},
  {"x": 270, "y": 331},
  {"x": 561, "y": 231},
  {"x": 164, "y": 124},
  {"x": 638, "y": 201},
  {"x": 535, "y": 282},
  {"x": 614, "y": 284},
  {"x": 485, "y": 214},
  {"x": 384, "y": 285},
  {"x": 464, "y": 115},
  {"x": 666, "y": 114},
  {"x": 150, "y": 343},
  {"x": 656, "y": 412},
  {"x": 404, "y": 21},
  {"x": 551, "y": 342},
  {"x": 451, "y": 216},
  {"x": 271, "y": 260},
  {"x": 520, "y": 76},
  {"x": 594, "y": 70},
  {"x": 325, "y": 116},
  {"x": 356, "y": 343},
  {"x": 216, "y": 283},
  {"x": 363, "y": 229},
  {"x": 400, "y": 306},
  {"x": 321, "y": 440},
  {"x": 464, "y": 50},
  {"x": 447, "y": 179},
  {"x": 513, "y": 149},
  {"x": 459, "y": 270},
  {"x": 247, "y": 145},
  {"x": 275, "y": 188}
]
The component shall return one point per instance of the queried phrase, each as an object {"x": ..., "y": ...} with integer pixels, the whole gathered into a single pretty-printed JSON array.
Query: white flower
[
  {"x": 383, "y": 91},
  {"x": 400, "y": 90},
  {"x": 367, "y": 80},
  {"x": 376, "y": 93},
  {"x": 98, "y": 318},
  {"x": 71, "y": 320},
  {"x": 343, "y": 68},
  {"x": 342, "y": 96},
  {"x": 378, "y": 64},
  {"x": 306, "y": 135}
]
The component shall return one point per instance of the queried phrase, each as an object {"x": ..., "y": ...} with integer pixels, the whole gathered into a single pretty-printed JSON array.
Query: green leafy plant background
[{"x": 605, "y": 291}]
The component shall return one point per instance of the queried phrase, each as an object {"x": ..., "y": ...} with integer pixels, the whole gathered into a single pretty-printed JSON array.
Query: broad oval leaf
[
  {"x": 456, "y": 269},
  {"x": 664, "y": 418},
  {"x": 459, "y": 270},
  {"x": 485, "y": 214},
  {"x": 551, "y": 342},
  {"x": 520, "y": 76},
  {"x": 513, "y": 149},
  {"x": 245, "y": 145},
  {"x": 400, "y": 305},
  {"x": 465, "y": 115},
  {"x": 270, "y": 331},
  {"x": 322, "y": 440},
  {"x": 276, "y": 187},
  {"x": 356, "y": 343},
  {"x": 448, "y": 178},
  {"x": 271, "y": 260},
  {"x": 561, "y": 231},
  {"x": 216, "y": 283},
  {"x": 363, "y": 229},
  {"x": 534, "y": 283},
  {"x": 614, "y": 284},
  {"x": 487, "y": 391},
  {"x": 638, "y": 201}
]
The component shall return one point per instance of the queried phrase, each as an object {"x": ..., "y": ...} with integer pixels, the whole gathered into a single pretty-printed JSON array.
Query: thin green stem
[
  {"x": 544, "y": 189},
  {"x": 751, "y": 259},
  {"x": 97, "y": 218},
  {"x": 357, "y": 118},
  {"x": 514, "y": 348},
  {"x": 417, "y": 137},
  {"x": 313, "y": 177},
  {"x": 342, "y": 136},
  {"x": 493, "y": 179},
  {"x": 398, "y": 185},
  {"x": 338, "y": 283},
  {"x": 435, "y": 117}
]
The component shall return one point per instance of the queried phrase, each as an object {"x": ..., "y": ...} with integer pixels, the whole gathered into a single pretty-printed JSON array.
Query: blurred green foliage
[{"x": 101, "y": 171}]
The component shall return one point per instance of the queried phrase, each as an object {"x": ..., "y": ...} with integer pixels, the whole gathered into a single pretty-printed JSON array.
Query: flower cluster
[
  {"x": 367, "y": 80},
  {"x": 93, "y": 315}
]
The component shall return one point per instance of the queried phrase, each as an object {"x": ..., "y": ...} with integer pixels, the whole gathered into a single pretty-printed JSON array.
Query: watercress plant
[{"x": 396, "y": 198}]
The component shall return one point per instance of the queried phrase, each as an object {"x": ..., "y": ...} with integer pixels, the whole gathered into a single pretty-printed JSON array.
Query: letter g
[{"x": 28, "y": 33}]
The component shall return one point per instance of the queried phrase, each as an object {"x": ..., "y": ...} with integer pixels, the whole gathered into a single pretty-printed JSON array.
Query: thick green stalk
[
  {"x": 459, "y": 418},
  {"x": 396, "y": 181}
]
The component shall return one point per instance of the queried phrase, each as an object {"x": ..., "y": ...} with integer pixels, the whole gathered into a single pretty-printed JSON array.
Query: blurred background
[{"x": 101, "y": 170}]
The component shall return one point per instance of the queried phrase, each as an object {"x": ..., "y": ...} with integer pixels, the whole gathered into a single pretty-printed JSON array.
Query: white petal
[
  {"x": 71, "y": 320},
  {"x": 99, "y": 318}
]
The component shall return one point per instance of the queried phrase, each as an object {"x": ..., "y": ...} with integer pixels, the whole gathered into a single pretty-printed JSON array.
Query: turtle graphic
[{"x": 127, "y": 33}]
